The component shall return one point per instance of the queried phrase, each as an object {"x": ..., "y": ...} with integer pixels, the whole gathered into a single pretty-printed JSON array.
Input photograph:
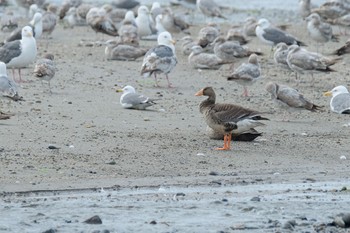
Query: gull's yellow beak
[
  {"x": 328, "y": 93},
  {"x": 30, "y": 34},
  {"x": 119, "y": 90},
  {"x": 173, "y": 42}
]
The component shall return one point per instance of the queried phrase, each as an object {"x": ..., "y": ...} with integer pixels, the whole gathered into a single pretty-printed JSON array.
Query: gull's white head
[
  {"x": 165, "y": 38},
  {"x": 336, "y": 91},
  {"x": 143, "y": 10},
  {"x": 129, "y": 16},
  {"x": 281, "y": 46},
  {"x": 37, "y": 18},
  {"x": 27, "y": 31},
  {"x": 197, "y": 49},
  {"x": 128, "y": 89},
  {"x": 313, "y": 17},
  {"x": 264, "y": 23}
]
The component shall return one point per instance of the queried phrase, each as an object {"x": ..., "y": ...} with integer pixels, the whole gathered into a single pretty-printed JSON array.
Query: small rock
[
  {"x": 153, "y": 222},
  {"x": 290, "y": 224},
  {"x": 343, "y": 157},
  {"x": 112, "y": 163},
  {"x": 50, "y": 231},
  {"x": 180, "y": 194},
  {"x": 212, "y": 173},
  {"x": 94, "y": 220},
  {"x": 200, "y": 154},
  {"x": 52, "y": 147},
  {"x": 303, "y": 134},
  {"x": 255, "y": 199},
  {"x": 146, "y": 119}
]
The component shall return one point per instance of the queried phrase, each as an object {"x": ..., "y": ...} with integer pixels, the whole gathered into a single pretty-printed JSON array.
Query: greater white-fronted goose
[
  {"x": 340, "y": 102},
  {"x": 227, "y": 118}
]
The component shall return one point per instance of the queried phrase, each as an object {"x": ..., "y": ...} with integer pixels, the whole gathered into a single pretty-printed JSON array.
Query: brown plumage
[
  {"x": 227, "y": 119},
  {"x": 45, "y": 69},
  {"x": 343, "y": 50},
  {"x": 99, "y": 21}
]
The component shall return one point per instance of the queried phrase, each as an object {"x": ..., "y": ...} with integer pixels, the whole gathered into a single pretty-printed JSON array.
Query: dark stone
[
  {"x": 255, "y": 199},
  {"x": 180, "y": 194},
  {"x": 94, "y": 220},
  {"x": 153, "y": 222},
  {"x": 50, "y": 231},
  {"x": 212, "y": 173},
  {"x": 51, "y": 147},
  {"x": 290, "y": 224}
]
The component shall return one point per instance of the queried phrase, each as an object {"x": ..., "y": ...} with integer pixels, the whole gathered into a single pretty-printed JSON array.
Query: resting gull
[
  {"x": 280, "y": 56},
  {"x": 271, "y": 35},
  {"x": 344, "y": 49},
  {"x": 209, "y": 8},
  {"x": 128, "y": 30},
  {"x": 174, "y": 23},
  {"x": 200, "y": 60},
  {"x": 187, "y": 44},
  {"x": 7, "y": 87},
  {"x": 45, "y": 69},
  {"x": 19, "y": 53},
  {"x": 143, "y": 22},
  {"x": 161, "y": 58},
  {"x": 207, "y": 35},
  {"x": 319, "y": 31},
  {"x": 340, "y": 102},
  {"x": 119, "y": 51},
  {"x": 247, "y": 73},
  {"x": 230, "y": 50},
  {"x": 289, "y": 98},
  {"x": 132, "y": 100}
]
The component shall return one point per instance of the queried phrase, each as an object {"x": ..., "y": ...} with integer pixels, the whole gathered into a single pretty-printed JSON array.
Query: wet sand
[{"x": 142, "y": 159}]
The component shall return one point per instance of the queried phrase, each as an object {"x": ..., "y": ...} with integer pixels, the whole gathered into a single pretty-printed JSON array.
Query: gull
[
  {"x": 143, "y": 22},
  {"x": 7, "y": 89},
  {"x": 302, "y": 61},
  {"x": 37, "y": 27},
  {"x": 132, "y": 100},
  {"x": 187, "y": 44},
  {"x": 237, "y": 34},
  {"x": 209, "y": 8},
  {"x": 331, "y": 10},
  {"x": 156, "y": 10},
  {"x": 97, "y": 19},
  {"x": 289, "y": 98},
  {"x": 249, "y": 26},
  {"x": 343, "y": 50},
  {"x": 319, "y": 31},
  {"x": 45, "y": 69},
  {"x": 174, "y": 23},
  {"x": 207, "y": 35},
  {"x": 247, "y": 73},
  {"x": 128, "y": 30},
  {"x": 340, "y": 102},
  {"x": 9, "y": 21},
  {"x": 271, "y": 35},
  {"x": 200, "y": 60},
  {"x": 120, "y": 51},
  {"x": 230, "y": 50},
  {"x": 280, "y": 55},
  {"x": 304, "y": 8},
  {"x": 49, "y": 19},
  {"x": 19, "y": 53},
  {"x": 161, "y": 58},
  {"x": 125, "y": 4}
]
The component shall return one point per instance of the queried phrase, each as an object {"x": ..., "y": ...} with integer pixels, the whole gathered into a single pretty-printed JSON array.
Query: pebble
[
  {"x": 290, "y": 225},
  {"x": 212, "y": 173},
  {"x": 93, "y": 220},
  {"x": 52, "y": 147},
  {"x": 153, "y": 222},
  {"x": 200, "y": 154},
  {"x": 342, "y": 157},
  {"x": 257, "y": 199},
  {"x": 50, "y": 231}
]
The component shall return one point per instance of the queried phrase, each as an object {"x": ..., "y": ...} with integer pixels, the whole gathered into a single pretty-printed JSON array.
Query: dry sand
[{"x": 143, "y": 159}]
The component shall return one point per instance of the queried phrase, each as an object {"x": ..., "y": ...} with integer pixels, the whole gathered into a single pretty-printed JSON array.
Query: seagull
[
  {"x": 304, "y": 8},
  {"x": 289, "y": 98},
  {"x": 161, "y": 58},
  {"x": 7, "y": 87},
  {"x": 249, "y": 26},
  {"x": 301, "y": 61},
  {"x": 187, "y": 44},
  {"x": 49, "y": 20},
  {"x": 45, "y": 69},
  {"x": 230, "y": 50},
  {"x": 37, "y": 27},
  {"x": 200, "y": 60},
  {"x": 207, "y": 35},
  {"x": 271, "y": 35},
  {"x": 125, "y": 4},
  {"x": 143, "y": 22},
  {"x": 280, "y": 56},
  {"x": 343, "y": 50},
  {"x": 128, "y": 30},
  {"x": 237, "y": 34},
  {"x": 19, "y": 53},
  {"x": 209, "y": 8},
  {"x": 174, "y": 23},
  {"x": 97, "y": 19},
  {"x": 119, "y": 51},
  {"x": 340, "y": 102},
  {"x": 319, "y": 31},
  {"x": 132, "y": 100},
  {"x": 247, "y": 73}
]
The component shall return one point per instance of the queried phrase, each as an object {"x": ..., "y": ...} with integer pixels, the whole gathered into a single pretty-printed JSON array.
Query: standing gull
[
  {"x": 45, "y": 69},
  {"x": 247, "y": 73},
  {"x": 209, "y": 8},
  {"x": 128, "y": 30},
  {"x": 161, "y": 58},
  {"x": 289, "y": 98},
  {"x": 227, "y": 119},
  {"x": 7, "y": 89},
  {"x": 19, "y": 53},
  {"x": 319, "y": 31},
  {"x": 271, "y": 35},
  {"x": 49, "y": 20},
  {"x": 302, "y": 61},
  {"x": 132, "y": 100},
  {"x": 143, "y": 22},
  {"x": 98, "y": 20},
  {"x": 340, "y": 102}
]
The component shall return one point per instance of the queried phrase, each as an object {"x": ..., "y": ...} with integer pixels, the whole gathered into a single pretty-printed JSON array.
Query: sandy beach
[{"x": 157, "y": 170}]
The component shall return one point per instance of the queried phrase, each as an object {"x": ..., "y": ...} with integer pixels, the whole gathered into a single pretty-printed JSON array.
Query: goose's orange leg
[{"x": 226, "y": 142}]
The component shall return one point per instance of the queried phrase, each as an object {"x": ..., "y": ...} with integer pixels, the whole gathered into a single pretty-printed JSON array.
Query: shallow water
[{"x": 177, "y": 209}]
